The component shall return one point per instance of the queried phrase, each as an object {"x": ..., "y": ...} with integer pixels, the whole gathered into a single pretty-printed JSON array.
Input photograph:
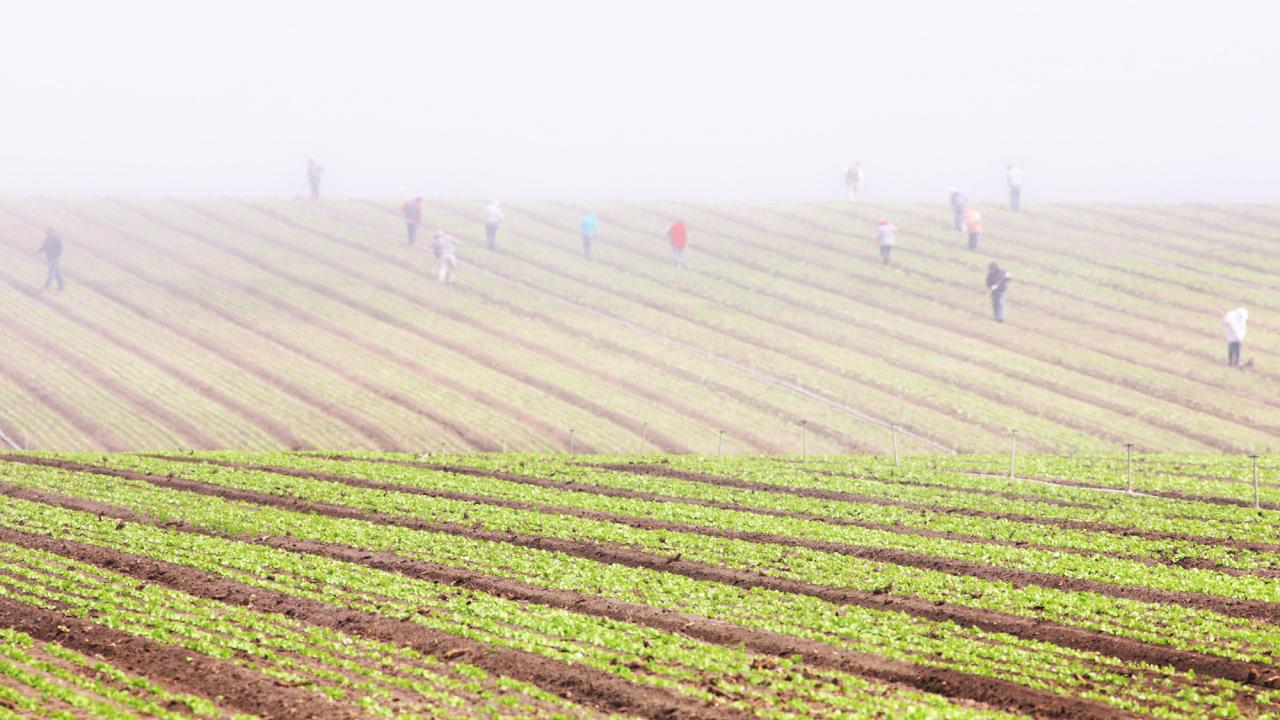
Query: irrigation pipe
[
  {"x": 10, "y": 441},
  {"x": 758, "y": 374}
]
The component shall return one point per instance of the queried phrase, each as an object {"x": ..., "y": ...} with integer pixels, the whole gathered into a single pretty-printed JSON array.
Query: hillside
[{"x": 258, "y": 324}]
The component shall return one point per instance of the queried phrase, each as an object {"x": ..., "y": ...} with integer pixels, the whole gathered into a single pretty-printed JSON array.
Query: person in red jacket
[
  {"x": 678, "y": 234},
  {"x": 412, "y": 211}
]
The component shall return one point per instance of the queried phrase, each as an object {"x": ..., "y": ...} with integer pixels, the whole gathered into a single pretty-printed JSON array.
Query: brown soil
[
  {"x": 103, "y": 437},
  {"x": 172, "y": 666},
  {"x": 1169, "y": 494},
  {"x": 950, "y": 683}
]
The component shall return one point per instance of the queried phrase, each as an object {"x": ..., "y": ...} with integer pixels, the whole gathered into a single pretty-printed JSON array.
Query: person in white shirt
[
  {"x": 885, "y": 238},
  {"x": 492, "y": 219},
  {"x": 1016, "y": 176},
  {"x": 1237, "y": 324},
  {"x": 853, "y": 180}
]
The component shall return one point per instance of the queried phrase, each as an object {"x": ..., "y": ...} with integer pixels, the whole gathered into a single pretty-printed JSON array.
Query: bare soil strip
[
  {"x": 1169, "y": 494},
  {"x": 843, "y": 496},
  {"x": 579, "y": 683},
  {"x": 593, "y": 489},
  {"x": 173, "y": 666},
  {"x": 1023, "y": 627},
  {"x": 105, "y": 438},
  {"x": 949, "y": 683}
]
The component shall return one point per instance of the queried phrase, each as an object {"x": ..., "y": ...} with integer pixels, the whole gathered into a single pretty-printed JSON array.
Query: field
[
  {"x": 280, "y": 585},
  {"x": 273, "y": 325}
]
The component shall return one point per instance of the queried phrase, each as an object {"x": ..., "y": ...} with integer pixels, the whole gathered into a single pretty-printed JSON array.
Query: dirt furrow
[
  {"x": 1168, "y": 494},
  {"x": 844, "y": 496},
  {"x": 582, "y": 684},
  {"x": 220, "y": 681},
  {"x": 950, "y": 683}
]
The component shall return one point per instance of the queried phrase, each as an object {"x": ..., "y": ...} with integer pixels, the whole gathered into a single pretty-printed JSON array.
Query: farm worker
[
  {"x": 1236, "y": 322},
  {"x": 1016, "y": 176},
  {"x": 588, "y": 225},
  {"x": 314, "y": 172},
  {"x": 958, "y": 204},
  {"x": 412, "y": 211},
  {"x": 973, "y": 226},
  {"x": 492, "y": 219},
  {"x": 997, "y": 285},
  {"x": 678, "y": 236},
  {"x": 446, "y": 251},
  {"x": 853, "y": 180},
  {"x": 52, "y": 249},
  {"x": 884, "y": 236}
]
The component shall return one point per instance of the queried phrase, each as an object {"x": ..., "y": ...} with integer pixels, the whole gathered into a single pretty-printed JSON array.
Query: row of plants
[{"x": 887, "y": 633}]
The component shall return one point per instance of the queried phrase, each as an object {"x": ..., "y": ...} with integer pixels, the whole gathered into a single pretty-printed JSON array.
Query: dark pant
[
  {"x": 413, "y": 232},
  {"x": 997, "y": 305},
  {"x": 973, "y": 241},
  {"x": 884, "y": 253},
  {"x": 586, "y": 245},
  {"x": 1233, "y": 354},
  {"x": 959, "y": 217},
  {"x": 491, "y": 235},
  {"x": 54, "y": 274},
  {"x": 1015, "y": 199},
  {"x": 315, "y": 188}
]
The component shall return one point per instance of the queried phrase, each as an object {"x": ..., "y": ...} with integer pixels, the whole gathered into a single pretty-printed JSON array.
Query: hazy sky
[{"x": 1109, "y": 100}]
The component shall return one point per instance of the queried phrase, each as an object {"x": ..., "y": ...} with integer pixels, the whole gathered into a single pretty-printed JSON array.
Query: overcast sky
[{"x": 1114, "y": 100}]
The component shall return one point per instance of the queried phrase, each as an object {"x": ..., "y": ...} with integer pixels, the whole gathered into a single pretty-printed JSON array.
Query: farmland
[
  {"x": 273, "y": 324},
  {"x": 308, "y": 584}
]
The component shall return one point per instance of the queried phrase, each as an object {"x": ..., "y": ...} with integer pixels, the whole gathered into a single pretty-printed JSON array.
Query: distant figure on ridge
[
  {"x": 1237, "y": 324},
  {"x": 678, "y": 236},
  {"x": 973, "y": 226},
  {"x": 853, "y": 180},
  {"x": 412, "y": 211},
  {"x": 446, "y": 252},
  {"x": 958, "y": 204},
  {"x": 315, "y": 171},
  {"x": 998, "y": 286},
  {"x": 588, "y": 225},
  {"x": 885, "y": 238},
  {"x": 1016, "y": 176},
  {"x": 492, "y": 219},
  {"x": 52, "y": 249}
]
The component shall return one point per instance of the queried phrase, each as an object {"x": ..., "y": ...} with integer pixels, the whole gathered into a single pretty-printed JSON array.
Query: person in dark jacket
[
  {"x": 52, "y": 249},
  {"x": 959, "y": 201},
  {"x": 998, "y": 286},
  {"x": 412, "y": 211}
]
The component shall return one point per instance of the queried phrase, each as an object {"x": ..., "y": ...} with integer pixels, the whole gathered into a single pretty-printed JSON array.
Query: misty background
[{"x": 1099, "y": 101}]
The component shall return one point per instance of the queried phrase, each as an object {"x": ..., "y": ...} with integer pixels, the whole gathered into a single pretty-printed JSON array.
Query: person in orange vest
[
  {"x": 412, "y": 211},
  {"x": 678, "y": 235},
  {"x": 973, "y": 226}
]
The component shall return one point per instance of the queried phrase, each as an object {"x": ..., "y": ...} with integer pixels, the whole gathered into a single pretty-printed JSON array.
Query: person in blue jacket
[{"x": 588, "y": 226}]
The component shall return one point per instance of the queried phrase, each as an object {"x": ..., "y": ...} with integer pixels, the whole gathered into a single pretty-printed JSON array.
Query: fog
[{"x": 1098, "y": 101}]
